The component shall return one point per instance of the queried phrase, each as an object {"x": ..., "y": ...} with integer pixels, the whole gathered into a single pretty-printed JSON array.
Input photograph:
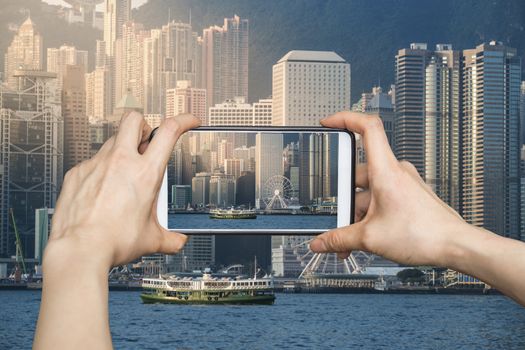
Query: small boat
[
  {"x": 233, "y": 214},
  {"x": 207, "y": 290}
]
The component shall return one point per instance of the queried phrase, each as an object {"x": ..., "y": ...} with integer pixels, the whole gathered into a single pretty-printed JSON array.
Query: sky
[{"x": 135, "y": 3}]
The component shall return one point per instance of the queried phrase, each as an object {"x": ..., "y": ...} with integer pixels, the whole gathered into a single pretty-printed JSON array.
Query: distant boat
[
  {"x": 233, "y": 214},
  {"x": 207, "y": 290}
]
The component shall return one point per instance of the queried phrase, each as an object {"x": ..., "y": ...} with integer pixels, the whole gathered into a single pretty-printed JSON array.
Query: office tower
[
  {"x": 100, "y": 54},
  {"x": 200, "y": 187},
  {"x": 170, "y": 54},
  {"x": 317, "y": 167},
  {"x": 522, "y": 193},
  {"x": 31, "y": 153},
  {"x": 428, "y": 116},
  {"x": 186, "y": 99},
  {"x": 59, "y": 59},
  {"x": 153, "y": 120},
  {"x": 379, "y": 103},
  {"x": 224, "y": 151},
  {"x": 491, "y": 138},
  {"x": 234, "y": 167},
  {"x": 99, "y": 132},
  {"x": 522, "y": 112},
  {"x": 117, "y": 13},
  {"x": 225, "y": 54},
  {"x": 291, "y": 167},
  {"x": 84, "y": 11},
  {"x": 197, "y": 255},
  {"x": 99, "y": 97},
  {"x": 247, "y": 154},
  {"x": 25, "y": 52},
  {"x": 129, "y": 61},
  {"x": 42, "y": 231},
  {"x": 181, "y": 196},
  {"x": 308, "y": 86},
  {"x": 222, "y": 190},
  {"x": 76, "y": 123},
  {"x": 237, "y": 112},
  {"x": 268, "y": 163},
  {"x": 245, "y": 194}
]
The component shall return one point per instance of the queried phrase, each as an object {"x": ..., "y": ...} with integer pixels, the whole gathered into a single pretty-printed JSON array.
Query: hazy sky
[{"x": 60, "y": 2}]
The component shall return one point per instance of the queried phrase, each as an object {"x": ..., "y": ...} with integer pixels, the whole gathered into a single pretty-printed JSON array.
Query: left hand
[{"x": 107, "y": 210}]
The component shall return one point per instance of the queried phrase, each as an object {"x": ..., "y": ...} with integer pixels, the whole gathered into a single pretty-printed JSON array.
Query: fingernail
[{"x": 318, "y": 246}]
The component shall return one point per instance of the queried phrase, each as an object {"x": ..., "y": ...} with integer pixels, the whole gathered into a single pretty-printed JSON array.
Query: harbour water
[
  {"x": 203, "y": 221},
  {"x": 296, "y": 321}
]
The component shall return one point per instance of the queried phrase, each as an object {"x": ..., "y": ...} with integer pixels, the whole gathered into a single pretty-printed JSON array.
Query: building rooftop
[
  {"x": 317, "y": 56},
  {"x": 129, "y": 102}
]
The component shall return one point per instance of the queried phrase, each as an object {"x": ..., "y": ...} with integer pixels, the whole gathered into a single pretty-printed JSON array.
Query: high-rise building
[
  {"x": 25, "y": 52},
  {"x": 129, "y": 61},
  {"x": 99, "y": 132},
  {"x": 428, "y": 116},
  {"x": 522, "y": 112},
  {"x": 237, "y": 112},
  {"x": 181, "y": 196},
  {"x": 59, "y": 59},
  {"x": 268, "y": 163},
  {"x": 186, "y": 99},
  {"x": 200, "y": 187},
  {"x": 491, "y": 138},
  {"x": 222, "y": 190},
  {"x": 308, "y": 86},
  {"x": 84, "y": 11},
  {"x": 99, "y": 97},
  {"x": 247, "y": 154},
  {"x": 117, "y": 13},
  {"x": 225, "y": 54},
  {"x": 76, "y": 123},
  {"x": 31, "y": 153},
  {"x": 380, "y": 103},
  {"x": 170, "y": 54},
  {"x": 233, "y": 167}
]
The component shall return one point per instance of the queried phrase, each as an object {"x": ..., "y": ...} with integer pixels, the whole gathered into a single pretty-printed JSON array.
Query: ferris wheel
[
  {"x": 276, "y": 192},
  {"x": 315, "y": 263}
]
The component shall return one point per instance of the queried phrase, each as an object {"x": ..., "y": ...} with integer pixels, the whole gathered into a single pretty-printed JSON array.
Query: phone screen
[{"x": 256, "y": 181}]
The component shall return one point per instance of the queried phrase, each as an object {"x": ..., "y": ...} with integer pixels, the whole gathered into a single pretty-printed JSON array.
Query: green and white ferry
[{"x": 173, "y": 289}]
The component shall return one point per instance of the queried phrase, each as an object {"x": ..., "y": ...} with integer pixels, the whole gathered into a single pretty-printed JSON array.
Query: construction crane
[{"x": 19, "y": 253}]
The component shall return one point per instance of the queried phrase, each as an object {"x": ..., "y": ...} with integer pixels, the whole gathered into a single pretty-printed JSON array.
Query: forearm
[
  {"x": 493, "y": 259},
  {"x": 74, "y": 308}
]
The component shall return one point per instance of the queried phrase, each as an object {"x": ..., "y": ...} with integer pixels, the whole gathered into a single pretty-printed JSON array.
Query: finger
[
  {"x": 362, "y": 202},
  {"x": 361, "y": 176},
  {"x": 130, "y": 131},
  {"x": 378, "y": 151},
  {"x": 161, "y": 147},
  {"x": 144, "y": 140},
  {"x": 340, "y": 240},
  {"x": 172, "y": 242}
]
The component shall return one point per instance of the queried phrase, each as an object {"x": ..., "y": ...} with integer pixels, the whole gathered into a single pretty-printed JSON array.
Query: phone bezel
[{"x": 162, "y": 203}]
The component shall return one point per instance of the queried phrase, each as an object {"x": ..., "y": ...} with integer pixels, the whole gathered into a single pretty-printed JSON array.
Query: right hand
[{"x": 397, "y": 215}]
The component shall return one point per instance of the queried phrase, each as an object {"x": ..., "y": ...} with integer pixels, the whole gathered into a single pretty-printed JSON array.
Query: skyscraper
[
  {"x": 31, "y": 153},
  {"x": 491, "y": 138},
  {"x": 225, "y": 55},
  {"x": 308, "y": 86},
  {"x": 186, "y": 99},
  {"x": 76, "y": 123},
  {"x": 237, "y": 112},
  {"x": 428, "y": 116},
  {"x": 522, "y": 112},
  {"x": 25, "y": 52},
  {"x": 58, "y": 59},
  {"x": 117, "y": 13},
  {"x": 268, "y": 162}
]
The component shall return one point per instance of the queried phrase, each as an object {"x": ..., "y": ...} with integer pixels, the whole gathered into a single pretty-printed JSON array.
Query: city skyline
[{"x": 171, "y": 69}]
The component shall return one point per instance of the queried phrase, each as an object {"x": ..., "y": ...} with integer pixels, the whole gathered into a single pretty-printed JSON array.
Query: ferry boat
[
  {"x": 233, "y": 214},
  {"x": 173, "y": 289}
]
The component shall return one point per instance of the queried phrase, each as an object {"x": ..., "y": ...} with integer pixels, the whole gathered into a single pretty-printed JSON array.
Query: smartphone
[{"x": 259, "y": 180}]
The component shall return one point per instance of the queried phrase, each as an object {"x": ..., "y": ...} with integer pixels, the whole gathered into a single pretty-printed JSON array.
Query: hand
[
  {"x": 397, "y": 215},
  {"x": 106, "y": 211}
]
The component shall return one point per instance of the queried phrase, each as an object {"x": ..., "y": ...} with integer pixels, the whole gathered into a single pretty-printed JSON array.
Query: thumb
[
  {"x": 171, "y": 242},
  {"x": 343, "y": 239}
]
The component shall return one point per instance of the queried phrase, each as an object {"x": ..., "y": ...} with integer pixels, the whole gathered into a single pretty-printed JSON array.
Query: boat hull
[{"x": 163, "y": 299}]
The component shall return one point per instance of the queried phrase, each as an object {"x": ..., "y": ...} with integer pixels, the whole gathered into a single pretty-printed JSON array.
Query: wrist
[{"x": 71, "y": 253}]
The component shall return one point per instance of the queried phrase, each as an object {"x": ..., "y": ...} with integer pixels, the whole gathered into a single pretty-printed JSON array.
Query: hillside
[{"x": 366, "y": 33}]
